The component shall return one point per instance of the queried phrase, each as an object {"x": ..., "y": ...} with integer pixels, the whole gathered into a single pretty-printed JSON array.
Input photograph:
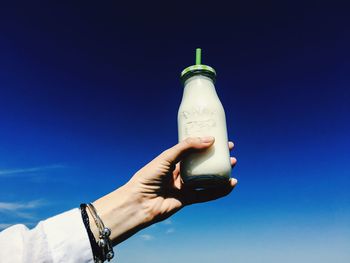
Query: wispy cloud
[
  {"x": 167, "y": 222},
  {"x": 146, "y": 237},
  {"x": 13, "y": 206},
  {"x": 6, "y": 225},
  {"x": 170, "y": 230},
  {"x": 3, "y": 226},
  {"x": 21, "y": 209},
  {"x": 28, "y": 171}
]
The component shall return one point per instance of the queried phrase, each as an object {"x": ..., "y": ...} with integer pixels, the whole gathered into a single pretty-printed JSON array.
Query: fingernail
[
  {"x": 207, "y": 139},
  {"x": 233, "y": 181}
]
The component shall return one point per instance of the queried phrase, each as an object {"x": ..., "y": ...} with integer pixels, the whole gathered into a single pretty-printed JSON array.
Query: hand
[
  {"x": 155, "y": 192},
  {"x": 159, "y": 183}
]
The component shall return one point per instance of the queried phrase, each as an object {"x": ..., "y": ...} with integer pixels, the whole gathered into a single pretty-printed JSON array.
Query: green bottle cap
[{"x": 198, "y": 69}]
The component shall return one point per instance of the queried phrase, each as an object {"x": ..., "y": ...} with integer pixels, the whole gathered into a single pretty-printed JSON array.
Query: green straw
[{"x": 198, "y": 56}]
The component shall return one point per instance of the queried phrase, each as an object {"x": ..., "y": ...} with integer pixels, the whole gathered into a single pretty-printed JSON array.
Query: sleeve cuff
[{"x": 67, "y": 238}]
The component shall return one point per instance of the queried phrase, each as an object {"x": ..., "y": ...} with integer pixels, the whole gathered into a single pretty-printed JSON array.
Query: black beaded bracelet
[{"x": 96, "y": 250}]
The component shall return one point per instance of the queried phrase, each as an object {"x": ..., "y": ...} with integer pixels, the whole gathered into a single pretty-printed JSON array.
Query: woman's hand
[
  {"x": 159, "y": 183},
  {"x": 156, "y": 192}
]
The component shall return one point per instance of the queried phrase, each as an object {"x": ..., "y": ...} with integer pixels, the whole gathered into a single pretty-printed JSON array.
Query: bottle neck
[{"x": 199, "y": 85}]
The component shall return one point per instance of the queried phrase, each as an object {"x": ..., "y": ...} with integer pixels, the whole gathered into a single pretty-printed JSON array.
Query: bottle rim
[{"x": 198, "y": 70}]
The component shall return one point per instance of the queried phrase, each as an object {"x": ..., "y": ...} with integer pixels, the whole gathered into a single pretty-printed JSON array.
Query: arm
[
  {"x": 154, "y": 193},
  {"x": 61, "y": 238}
]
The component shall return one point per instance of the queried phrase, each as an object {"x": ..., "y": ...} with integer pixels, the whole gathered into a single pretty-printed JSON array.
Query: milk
[{"x": 202, "y": 114}]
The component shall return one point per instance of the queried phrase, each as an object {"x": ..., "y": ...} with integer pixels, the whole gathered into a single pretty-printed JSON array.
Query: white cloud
[
  {"x": 3, "y": 226},
  {"x": 167, "y": 222},
  {"x": 147, "y": 237},
  {"x": 6, "y": 225},
  {"x": 13, "y": 206},
  {"x": 25, "y": 171},
  {"x": 21, "y": 209},
  {"x": 170, "y": 230}
]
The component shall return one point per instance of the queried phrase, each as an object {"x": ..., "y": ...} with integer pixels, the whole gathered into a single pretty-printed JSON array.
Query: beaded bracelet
[
  {"x": 102, "y": 249},
  {"x": 104, "y": 242}
]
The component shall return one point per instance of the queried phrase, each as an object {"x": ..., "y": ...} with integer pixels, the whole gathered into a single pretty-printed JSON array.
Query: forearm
[{"x": 123, "y": 212}]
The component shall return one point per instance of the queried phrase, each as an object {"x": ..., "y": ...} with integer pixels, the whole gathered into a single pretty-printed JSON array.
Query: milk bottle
[{"x": 202, "y": 114}]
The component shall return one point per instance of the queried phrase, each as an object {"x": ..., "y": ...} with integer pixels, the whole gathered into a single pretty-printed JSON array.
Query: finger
[
  {"x": 178, "y": 182},
  {"x": 193, "y": 196},
  {"x": 233, "y": 182},
  {"x": 233, "y": 161},
  {"x": 177, "y": 169},
  {"x": 177, "y": 152},
  {"x": 177, "y": 177},
  {"x": 230, "y": 145}
]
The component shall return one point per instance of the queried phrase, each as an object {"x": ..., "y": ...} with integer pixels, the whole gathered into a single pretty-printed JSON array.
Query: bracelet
[
  {"x": 104, "y": 241},
  {"x": 96, "y": 251}
]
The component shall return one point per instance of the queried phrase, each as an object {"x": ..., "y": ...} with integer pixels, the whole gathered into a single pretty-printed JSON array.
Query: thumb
[{"x": 177, "y": 152}]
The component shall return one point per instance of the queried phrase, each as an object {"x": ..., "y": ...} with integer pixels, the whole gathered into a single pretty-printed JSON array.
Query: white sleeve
[{"x": 62, "y": 238}]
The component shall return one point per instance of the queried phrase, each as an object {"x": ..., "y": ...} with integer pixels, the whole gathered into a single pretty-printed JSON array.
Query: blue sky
[{"x": 89, "y": 94}]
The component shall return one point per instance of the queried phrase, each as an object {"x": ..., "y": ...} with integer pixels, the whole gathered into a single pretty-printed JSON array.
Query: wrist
[{"x": 123, "y": 212}]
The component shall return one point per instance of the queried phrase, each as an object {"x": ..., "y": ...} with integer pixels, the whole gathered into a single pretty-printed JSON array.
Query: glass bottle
[{"x": 202, "y": 114}]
